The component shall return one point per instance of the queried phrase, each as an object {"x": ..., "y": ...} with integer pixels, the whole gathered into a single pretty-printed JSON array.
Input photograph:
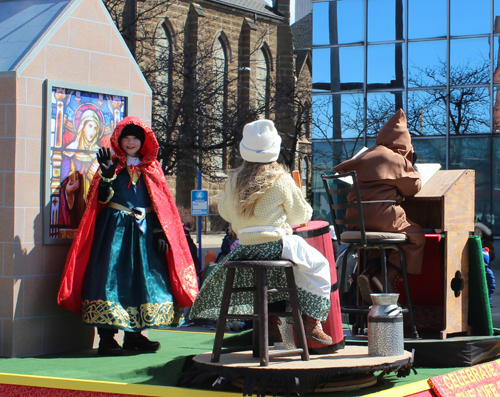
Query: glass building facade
[{"x": 435, "y": 59}]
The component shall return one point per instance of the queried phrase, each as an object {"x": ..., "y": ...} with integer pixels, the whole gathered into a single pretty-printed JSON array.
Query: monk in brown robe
[{"x": 385, "y": 172}]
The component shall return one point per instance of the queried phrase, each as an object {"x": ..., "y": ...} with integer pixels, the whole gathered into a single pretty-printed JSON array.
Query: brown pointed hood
[
  {"x": 395, "y": 135},
  {"x": 389, "y": 158}
]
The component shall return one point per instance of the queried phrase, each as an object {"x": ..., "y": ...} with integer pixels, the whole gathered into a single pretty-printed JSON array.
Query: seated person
[
  {"x": 386, "y": 176},
  {"x": 261, "y": 201}
]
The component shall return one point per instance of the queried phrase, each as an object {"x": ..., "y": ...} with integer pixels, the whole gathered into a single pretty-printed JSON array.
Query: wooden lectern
[{"x": 446, "y": 202}]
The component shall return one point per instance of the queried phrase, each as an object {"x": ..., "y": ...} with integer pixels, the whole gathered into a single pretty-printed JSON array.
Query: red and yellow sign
[{"x": 481, "y": 380}]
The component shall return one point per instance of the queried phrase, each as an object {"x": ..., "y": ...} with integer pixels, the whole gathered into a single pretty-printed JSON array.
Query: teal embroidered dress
[
  {"x": 207, "y": 304},
  {"x": 126, "y": 283}
]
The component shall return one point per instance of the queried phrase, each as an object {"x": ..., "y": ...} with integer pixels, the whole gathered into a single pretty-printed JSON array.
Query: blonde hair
[{"x": 250, "y": 181}]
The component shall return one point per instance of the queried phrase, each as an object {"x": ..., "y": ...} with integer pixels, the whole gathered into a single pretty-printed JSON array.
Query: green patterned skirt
[{"x": 207, "y": 304}]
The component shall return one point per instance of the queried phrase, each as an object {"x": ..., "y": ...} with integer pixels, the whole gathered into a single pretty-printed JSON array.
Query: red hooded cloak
[{"x": 181, "y": 268}]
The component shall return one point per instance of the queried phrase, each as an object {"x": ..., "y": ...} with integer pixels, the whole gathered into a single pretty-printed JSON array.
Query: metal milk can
[{"x": 385, "y": 326}]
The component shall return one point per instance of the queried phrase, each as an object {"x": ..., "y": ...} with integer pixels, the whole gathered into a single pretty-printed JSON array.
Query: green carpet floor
[{"x": 161, "y": 368}]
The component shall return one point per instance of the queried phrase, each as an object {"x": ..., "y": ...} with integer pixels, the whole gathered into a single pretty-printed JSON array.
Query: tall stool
[
  {"x": 361, "y": 239},
  {"x": 260, "y": 316}
]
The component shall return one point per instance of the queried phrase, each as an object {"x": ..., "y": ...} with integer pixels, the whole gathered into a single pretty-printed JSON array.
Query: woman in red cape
[{"x": 114, "y": 275}]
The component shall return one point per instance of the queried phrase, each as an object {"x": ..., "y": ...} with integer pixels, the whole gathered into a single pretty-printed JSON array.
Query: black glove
[
  {"x": 161, "y": 243},
  {"x": 108, "y": 167},
  {"x": 414, "y": 160}
]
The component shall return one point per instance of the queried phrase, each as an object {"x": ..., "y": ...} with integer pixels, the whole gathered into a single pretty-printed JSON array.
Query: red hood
[{"x": 149, "y": 149}]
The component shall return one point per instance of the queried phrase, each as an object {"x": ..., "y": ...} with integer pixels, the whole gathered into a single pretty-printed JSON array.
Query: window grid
[{"x": 465, "y": 49}]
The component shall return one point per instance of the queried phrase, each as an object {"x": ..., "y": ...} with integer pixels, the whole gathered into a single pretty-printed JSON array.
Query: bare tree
[
  {"x": 343, "y": 116},
  {"x": 133, "y": 21},
  {"x": 197, "y": 111},
  {"x": 333, "y": 120},
  {"x": 297, "y": 97},
  {"x": 468, "y": 106}
]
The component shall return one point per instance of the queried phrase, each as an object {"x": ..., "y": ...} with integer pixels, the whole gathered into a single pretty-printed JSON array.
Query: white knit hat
[
  {"x": 483, "y": 227},
  {"x": 261, "y": 142}
]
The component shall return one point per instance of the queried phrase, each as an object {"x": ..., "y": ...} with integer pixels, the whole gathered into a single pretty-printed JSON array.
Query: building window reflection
[
  {"x": 385, "y": 66},
  {"x": 431, "y": 149},
  {"x": 469, "y": 111},
  {"x": 426, "y": 112},
  {"x": 427, "y": 63},
  {"x": 338, "y": 116},
  {"x": 386, "y": 20},
  {"x": 467, "y": 20},
  {"x": 419, "y": 26},
  {"x": 438, "y": 60},
  {"x": 470, "y": 61},
  {"x": 490, "y": 213},
  {"x": 496, "y": 59},
  {"x": 380, "y": 106},
  {"x": 338, "y": 68},
  {"x": 338, "y": 22},
  {"x": 496, "y": 110}
]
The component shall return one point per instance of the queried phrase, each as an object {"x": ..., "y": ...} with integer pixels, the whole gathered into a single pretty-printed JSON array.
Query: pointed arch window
[
  {"x": 262, "y": 82},
  {"x": 220, "y": 75},
  {"x": 162, "y": 89},
  {"x": 220, "y": 79}
]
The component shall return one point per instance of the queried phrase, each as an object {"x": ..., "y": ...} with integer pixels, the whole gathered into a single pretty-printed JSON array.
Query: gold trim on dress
[{"x": 147, "y": 315}]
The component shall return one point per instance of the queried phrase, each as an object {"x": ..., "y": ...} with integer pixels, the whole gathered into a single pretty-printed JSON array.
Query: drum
[{"x": 317, "y": 235}]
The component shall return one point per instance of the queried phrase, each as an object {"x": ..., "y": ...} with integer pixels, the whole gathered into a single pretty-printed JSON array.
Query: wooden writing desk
[{"x": 446, "y": 202}]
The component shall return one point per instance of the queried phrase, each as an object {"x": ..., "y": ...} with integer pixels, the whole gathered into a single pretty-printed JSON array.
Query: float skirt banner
[{"x": 481, "y": 380}]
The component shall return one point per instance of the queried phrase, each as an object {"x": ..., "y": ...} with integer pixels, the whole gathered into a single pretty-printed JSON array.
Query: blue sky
[{"x": 465, "y": 51}]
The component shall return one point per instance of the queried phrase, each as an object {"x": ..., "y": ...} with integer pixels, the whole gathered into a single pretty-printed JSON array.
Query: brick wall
[{"x": 31, "y": 321}]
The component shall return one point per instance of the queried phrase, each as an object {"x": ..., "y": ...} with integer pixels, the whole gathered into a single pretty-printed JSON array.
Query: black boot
[
  {"x": 136, "y": 340},
  {"x": 108, "y": 346}
]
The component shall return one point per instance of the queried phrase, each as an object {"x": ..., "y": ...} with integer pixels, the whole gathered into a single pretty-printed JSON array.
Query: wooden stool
[{"x": 260, "y": 316}]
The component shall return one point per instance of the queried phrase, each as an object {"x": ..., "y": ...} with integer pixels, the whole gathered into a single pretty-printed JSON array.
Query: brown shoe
[
  {"x": 274, "y": 322},
  {"x": 314, "y": 330},
  {"x": 392, "y": 275},
  {"x": 365, "y": 283}
]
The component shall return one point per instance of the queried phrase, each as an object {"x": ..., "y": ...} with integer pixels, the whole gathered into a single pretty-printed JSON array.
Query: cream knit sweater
[{"x": 281, "y": 205}]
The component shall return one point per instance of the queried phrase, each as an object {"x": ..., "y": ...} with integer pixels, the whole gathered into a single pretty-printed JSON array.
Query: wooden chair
[
  {"x": 361, "y": 239},
  {"x": 260, "y": 316}
]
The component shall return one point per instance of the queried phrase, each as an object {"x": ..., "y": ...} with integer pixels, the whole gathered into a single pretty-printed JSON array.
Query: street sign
[{"x": 199, "y": 202}]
